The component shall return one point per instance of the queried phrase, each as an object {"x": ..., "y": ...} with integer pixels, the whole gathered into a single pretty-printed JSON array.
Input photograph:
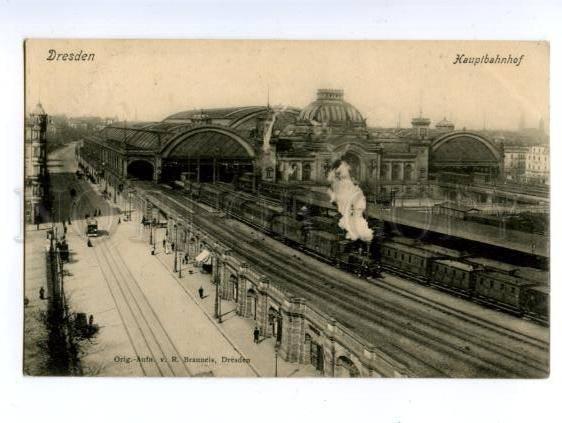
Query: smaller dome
[
  {"x": 445, "y": 125},
  {"x": 38, "y": 110},
  {"x": 420, "y": 121}
]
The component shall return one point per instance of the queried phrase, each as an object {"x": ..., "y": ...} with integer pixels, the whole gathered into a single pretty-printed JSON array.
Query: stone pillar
[
  {"x": 262, "y": 306},
  {"x": 157, "y": 169},
  {"x": 292, "y": 340},
  {"x": 242, "y": 306}
]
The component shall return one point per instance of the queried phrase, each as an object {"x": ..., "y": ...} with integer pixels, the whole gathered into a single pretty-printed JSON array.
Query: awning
[{"x": 203, "y": 257}]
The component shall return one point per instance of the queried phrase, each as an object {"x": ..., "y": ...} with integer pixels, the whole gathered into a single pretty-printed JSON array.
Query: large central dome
[{"x": 329, "y": 108}]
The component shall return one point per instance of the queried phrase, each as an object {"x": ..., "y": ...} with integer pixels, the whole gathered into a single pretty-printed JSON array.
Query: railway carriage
[
  {"x": 288, "y": 229},
  {"x": 407, "y": 258},
  {"x": 501, "y": 288},
  {"x": 211, "y": 195},
  {"x": 454, "y": 274},
  {"x": 258, "y": 216},
  {"x": 535, "y": 302},
  {"x": 325, "y": 244},
  {"x": 193, "y": 189},
  {"x": 232, "y": 203}
]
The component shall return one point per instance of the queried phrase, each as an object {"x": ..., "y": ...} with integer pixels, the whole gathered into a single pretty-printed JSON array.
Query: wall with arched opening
[{"x": 140, "y": 169}]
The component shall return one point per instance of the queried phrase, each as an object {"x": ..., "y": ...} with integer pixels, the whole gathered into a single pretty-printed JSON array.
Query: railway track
[
  {"x": 151, "y": 343},
  {"x": 484, "y": 358},
  {"x": 431, "y": 330}
]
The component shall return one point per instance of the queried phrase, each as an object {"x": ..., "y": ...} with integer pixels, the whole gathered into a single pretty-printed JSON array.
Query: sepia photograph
[{"x": 286, "y": 209}]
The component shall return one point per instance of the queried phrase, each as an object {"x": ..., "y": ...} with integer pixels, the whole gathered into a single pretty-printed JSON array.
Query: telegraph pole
[
  {"x": 216, "y": 280},
  {"x": 176, "y": 248}
]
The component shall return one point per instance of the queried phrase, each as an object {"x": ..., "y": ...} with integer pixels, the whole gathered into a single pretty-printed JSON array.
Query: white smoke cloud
[
  {"x": 269, "y": 130},
  {"x": 351, "y": 203}
]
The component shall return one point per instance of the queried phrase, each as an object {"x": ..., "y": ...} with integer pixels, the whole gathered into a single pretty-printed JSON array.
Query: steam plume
[
  {"x": 350, "y": 201},
  {"x": 268, "y": 132}
]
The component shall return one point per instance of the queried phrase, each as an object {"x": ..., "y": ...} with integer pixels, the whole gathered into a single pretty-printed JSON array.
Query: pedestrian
[
  {"x": 186, "y": 258},
  {"x": 256, "y": 334},
  {"x": 99, "y": 212},
  {"x": 65, "y": 229},
  {"x": 152, "y": 250},
  {"x": 90, "y": 243},
  {"x": 173, "y": 246},
  {"x": 201, "y": 292},
  {"x": 41, "y": 293},
  {"x": 119, "y": 221}
]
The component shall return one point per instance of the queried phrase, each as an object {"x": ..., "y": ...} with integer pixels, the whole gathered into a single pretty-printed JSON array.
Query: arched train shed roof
[{"x": 462, "y": 148}]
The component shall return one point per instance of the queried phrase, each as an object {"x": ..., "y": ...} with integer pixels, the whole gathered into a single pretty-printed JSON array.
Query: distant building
[
  {"x": 537, "y": 165},
  {"x": 35, "y": 165},
  {"x": 515, "y": 157}
]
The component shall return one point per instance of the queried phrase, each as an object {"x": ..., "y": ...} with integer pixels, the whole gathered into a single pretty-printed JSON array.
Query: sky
[{"x": 147, "y": 80}]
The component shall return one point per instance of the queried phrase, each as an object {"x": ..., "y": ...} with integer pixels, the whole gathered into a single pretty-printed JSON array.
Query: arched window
[
  {"x": 234, "y": 287},
  {"x": 408, "y": 172},
  {"x": 306, "y": 172},
  {"x": 269, "y": 172},
  {"x": 346, "y": 368},
  {"x": 395, "y": 172}
]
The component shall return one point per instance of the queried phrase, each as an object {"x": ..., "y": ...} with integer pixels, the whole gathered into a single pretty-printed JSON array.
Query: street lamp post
[
  {"x": 179, "y": 273},
  {"x": 130, "y": 206},
  {"x": 276, "y": 356},
  {"x": 216, "y": 281},
  {"x": 176, "y": 248}
]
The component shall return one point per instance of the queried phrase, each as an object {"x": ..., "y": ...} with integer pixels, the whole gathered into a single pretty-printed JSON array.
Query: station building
[{"x": 268, "y": 149}]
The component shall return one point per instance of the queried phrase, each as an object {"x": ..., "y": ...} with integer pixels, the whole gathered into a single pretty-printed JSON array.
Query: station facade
[{"x": 270, "y": 147}]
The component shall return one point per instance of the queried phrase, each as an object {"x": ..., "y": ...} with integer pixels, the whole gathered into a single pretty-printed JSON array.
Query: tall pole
[
  {"x": 276, "y": 358},
  {"x": 216, "y": 281},
  {"x": 176, "y": 249}
]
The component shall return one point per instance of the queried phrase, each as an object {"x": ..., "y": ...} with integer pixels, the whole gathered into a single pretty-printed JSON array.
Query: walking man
[
  {"x": 42, "y": 293},
  {"x": 201, "y": 292},
  {"x": 256, "y": 334}
]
